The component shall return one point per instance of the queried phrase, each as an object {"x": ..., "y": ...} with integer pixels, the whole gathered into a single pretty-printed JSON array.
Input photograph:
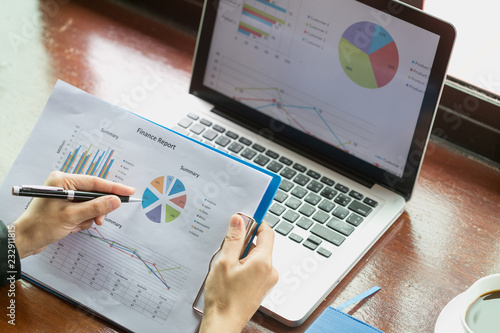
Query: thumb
[{"x": 234, "y": 239}]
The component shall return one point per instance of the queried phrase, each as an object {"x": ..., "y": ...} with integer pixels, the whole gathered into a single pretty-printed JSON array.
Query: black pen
[{"x": 52, "y": 192}]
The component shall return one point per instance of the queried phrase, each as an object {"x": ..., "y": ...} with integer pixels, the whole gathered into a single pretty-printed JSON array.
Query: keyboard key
[
  {"x": 341, "y": 212},
  {"x": 301, "y": 179},
  {"x": 235, "y": 147},
  {"x": 258, "y": 147},
  {"x": 340, "y": 226},
  {"x": 291, "y": 216},
  {"x": 324, "y": 252},
  {"x": 284, "y": 228},
  {"x": 275, "y": 166},
  {"x": 245, "y": 141},
  {"x": 299, "y": 192},
  {"x": 288, "y": 173},
  {"x": 185, "y": 123},
  {"x": 193, "y": 116},
  {"x": 329, "y": 193},
  {"x": 370, "y": 202},
  {"x": 310, "y": 245},
  {"x": 327, "y": 181},
  {"x": 232, "y": 135},
  {"x": 307, "y": 210},
  {"x": 342, "y": 188},
  {"x": 360, "y": 208},
  {"x": 326, "y": 205},
  {"x": 272, "y": 154},
  {"x": 296, "y": 238},
  {"x": 210, "y": 135},
  {"x": 327, "y": 234},
  {"x": 261, "y": 160},
  {"x": 248, "y": 153},
  {"x": 313, "y": 199},
  {"x": 313, "y": 174},
  {"x": 277, "y": 209},
  {"x": 206, "y": 122},
  {"x": 285, "y": 160},
  {"x": 305, "y": 223},
  {"x": 280, "y": 196},
  {"x": 314, "y": 239},
  {"x": 197, "y": 129},
  {"x": 293, "y": 203},
  {"x": 354, "y": 219},
  {"x": 219, "y": 129},
  {"x": 222, "y": 141},
  {"x": 342, "y": 199},
  {"x": 285, "y": 185},
  {"x": 314, "y": 186},
  {"x": 299, "y": 167},
  {"x": 356, "y": 195},
  {"x": 271, "y": 220},
  {"x": 321, "y": 217}
]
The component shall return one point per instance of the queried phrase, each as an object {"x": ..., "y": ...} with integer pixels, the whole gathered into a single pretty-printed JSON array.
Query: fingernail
[
  {"x": 235, "y": 221},
  {"x": 113, "y": 203}
]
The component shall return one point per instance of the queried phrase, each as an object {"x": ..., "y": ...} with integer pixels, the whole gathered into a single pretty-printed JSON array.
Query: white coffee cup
[{"x": 483, "y": 286}]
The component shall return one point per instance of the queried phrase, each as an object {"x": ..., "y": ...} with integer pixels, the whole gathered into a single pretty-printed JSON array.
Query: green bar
[
  {"x": 248, "y": 26},
  {"x": 264, "y": 13}
]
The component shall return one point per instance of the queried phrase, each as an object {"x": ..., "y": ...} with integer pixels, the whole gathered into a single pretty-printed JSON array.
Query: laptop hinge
[{"x": 294, "y": 147}]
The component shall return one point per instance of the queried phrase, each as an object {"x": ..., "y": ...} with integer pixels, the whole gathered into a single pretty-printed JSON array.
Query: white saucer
[{"x": 448, "y": 320}]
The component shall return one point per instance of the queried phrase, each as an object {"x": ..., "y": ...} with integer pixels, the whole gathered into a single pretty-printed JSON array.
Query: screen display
[{"x": 339, "y": 71}]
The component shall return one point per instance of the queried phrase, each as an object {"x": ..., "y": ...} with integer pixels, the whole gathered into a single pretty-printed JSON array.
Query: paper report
[{"x": 143, "y": 268}]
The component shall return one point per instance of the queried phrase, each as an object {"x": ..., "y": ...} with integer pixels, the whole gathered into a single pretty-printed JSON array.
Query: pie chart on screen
[
  {"x": 368, "y": 55},
  {"x": 164, "y": 199}
]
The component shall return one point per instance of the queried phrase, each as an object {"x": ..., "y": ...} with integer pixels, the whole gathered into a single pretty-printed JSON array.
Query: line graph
[
  {"x": 130, "y": 273},
  {"x": 280, "y": 104},
  {"x": 134, "y": 253},
  {"x": 293, "y": 101}
]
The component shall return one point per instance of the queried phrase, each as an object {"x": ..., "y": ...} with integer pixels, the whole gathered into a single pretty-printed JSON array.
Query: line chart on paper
[{"x": 130, "y": 273}]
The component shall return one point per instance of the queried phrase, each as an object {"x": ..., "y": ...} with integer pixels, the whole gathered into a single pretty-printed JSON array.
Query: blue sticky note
[{"x": 334, "y": 320}]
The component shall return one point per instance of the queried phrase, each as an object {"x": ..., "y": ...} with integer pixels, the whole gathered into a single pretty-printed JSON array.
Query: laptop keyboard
[{"x": 329, "y": 211}]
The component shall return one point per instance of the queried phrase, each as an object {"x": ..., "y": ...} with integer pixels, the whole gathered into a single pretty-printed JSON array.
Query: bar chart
[
  {"x": 269, "y": 24},
  {"x": 88, "y": 153}
]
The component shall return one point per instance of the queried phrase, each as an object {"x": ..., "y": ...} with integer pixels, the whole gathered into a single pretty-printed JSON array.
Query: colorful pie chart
[
  {"x": 164, "y": 199},
  {"x": 368, "y": 55}
]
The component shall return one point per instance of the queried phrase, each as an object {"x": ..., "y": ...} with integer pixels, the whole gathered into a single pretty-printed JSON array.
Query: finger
[
  {"x": 94, "y": 208},
  {"x": 88, "y": 183},
  {"x": 234, "y": 239},
  {"x": 265, "y": 238}
]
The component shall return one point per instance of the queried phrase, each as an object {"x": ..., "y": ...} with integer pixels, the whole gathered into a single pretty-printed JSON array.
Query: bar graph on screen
[{"x": 270, "y": 24}]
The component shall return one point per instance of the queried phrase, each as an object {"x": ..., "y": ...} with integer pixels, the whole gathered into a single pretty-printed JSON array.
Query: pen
[{"x": 52, "y": 192}]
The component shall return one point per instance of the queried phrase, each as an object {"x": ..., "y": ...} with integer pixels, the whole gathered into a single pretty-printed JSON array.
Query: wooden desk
[{"x": 446, "y": 239}]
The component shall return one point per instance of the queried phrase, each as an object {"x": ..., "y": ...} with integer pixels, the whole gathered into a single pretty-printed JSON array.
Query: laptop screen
[{"x": 346, "y": 79}]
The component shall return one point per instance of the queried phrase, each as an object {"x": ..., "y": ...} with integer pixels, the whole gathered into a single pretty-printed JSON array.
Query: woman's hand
[
  {"x": 48, "y": 220},
  {"x": 235, "y": 287}
]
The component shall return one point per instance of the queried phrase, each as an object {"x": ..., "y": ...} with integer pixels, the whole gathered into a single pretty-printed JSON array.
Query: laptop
[{"x": 338, "y": 98}]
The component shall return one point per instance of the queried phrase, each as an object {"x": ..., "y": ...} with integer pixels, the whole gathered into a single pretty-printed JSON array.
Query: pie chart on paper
[
  {"x": 368, "y": 55},
  {"x": 164, "y": 199}
]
